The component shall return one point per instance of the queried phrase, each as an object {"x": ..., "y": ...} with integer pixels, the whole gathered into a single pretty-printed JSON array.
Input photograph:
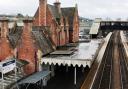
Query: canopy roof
[
  {"x": 81, "y": 55},
  {"x": 35, "y": 77}
]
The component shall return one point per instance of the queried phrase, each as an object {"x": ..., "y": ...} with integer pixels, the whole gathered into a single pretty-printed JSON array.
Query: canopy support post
[
  {"x": 66, "y": 68},
  {"x": 83, "y": 69},
  {"x": 75, "y": 76},
  {"x": 52, "y": 70}
]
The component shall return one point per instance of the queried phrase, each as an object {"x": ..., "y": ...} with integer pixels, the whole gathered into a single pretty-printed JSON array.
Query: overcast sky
[{"x": 87, "y": 8}]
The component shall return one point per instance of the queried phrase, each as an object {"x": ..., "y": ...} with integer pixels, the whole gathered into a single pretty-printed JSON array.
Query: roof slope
[
  {"x": 69, "y": 12},
  {"x": 42, "y": 40},
  {"x": 14, "y": 36},
  {"x": 54, "y": 11},
  {"x": 40, "y": 35}
]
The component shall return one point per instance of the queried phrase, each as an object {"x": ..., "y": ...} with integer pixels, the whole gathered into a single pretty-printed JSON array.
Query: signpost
[{"x": 6, "y": 67}]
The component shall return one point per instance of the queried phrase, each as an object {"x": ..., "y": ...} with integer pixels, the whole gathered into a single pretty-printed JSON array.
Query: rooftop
[{"x": 79, "y": 55}]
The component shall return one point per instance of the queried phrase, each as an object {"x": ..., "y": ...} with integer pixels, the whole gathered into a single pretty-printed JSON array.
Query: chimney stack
[
  {"x": 58, "y": 6},
  {"x": 27, "y": 50},
  {"x": 4, "y": 27},
  {"x": 42, "y": 12}
]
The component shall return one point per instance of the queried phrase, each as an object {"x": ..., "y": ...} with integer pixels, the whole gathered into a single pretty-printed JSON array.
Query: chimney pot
[
  {"x": 28, "y": 19},
  {"x": 57, "y": 5}
]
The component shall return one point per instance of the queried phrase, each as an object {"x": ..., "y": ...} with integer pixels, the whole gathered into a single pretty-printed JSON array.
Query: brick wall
[
  {"x": 36, "y": 20},
  {"x": 62, "y": 33},
  {"x": 75, "y": 28},
  {"x": 66, "y": 28}
]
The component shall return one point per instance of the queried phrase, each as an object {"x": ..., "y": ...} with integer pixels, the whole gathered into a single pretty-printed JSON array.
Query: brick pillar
[
  {"x": 42, "y": 12},
  {"x": 4, "y": 27},
  {"x": 5, "y": 50},
  {"x": 26, "y": 49}
]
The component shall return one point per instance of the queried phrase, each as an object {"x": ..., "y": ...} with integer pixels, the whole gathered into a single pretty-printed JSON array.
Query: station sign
[{"x": 8, "y": 66}]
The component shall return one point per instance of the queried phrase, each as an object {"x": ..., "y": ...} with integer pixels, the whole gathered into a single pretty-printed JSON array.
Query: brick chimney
[
  {"x": 42, "y": 12},
  {"x": 5, "y": 50},
  {"x": 58, "y": 6},
  {"x": 27, "y": 49},
  {"x": 4, "y": 27}
]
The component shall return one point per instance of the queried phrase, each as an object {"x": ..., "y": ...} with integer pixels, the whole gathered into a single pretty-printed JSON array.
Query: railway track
[
  {"x": 107, "y": 76},
  {"x": 123, "y": 67},
  {"x": 103, "y": 80}
]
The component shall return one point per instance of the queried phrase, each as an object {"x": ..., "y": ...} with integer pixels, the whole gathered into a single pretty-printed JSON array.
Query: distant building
[
  {"x": 84, "y": 28},
  {"x": 94, "y": 31}
]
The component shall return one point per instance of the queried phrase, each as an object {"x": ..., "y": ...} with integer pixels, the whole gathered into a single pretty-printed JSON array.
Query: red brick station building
[{"x": 25, "y": 37}]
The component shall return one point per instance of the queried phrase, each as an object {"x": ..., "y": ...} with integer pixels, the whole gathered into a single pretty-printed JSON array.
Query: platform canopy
[
  {"x": 81, "y": 55},
  {"x": 32, "y": 79},
  {"x": 69, "y": 62}
]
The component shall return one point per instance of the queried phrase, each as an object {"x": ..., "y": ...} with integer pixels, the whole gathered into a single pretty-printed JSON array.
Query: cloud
[
  {"x": 18, "y": 6},
  {"x": 87, "y": 8}
]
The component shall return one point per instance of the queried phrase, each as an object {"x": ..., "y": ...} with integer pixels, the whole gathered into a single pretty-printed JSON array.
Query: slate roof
[
  {"x": 40, "y": 34},
  {"x": 69, "y": 12},
  {"x": 54, "y": 11},
  {"x": 66, "y": 12},
  {"x": 42, "y": 39},
  {"x": 14, "y": 36}
]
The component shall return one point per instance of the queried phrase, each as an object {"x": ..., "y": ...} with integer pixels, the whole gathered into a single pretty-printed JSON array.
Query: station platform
[
  {"x": 94, "y": 69},
  {"x": 125, "y": 43}
]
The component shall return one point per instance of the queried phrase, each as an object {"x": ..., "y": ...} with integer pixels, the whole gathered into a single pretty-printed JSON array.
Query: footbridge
[{"x": 101, "y": 26}]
